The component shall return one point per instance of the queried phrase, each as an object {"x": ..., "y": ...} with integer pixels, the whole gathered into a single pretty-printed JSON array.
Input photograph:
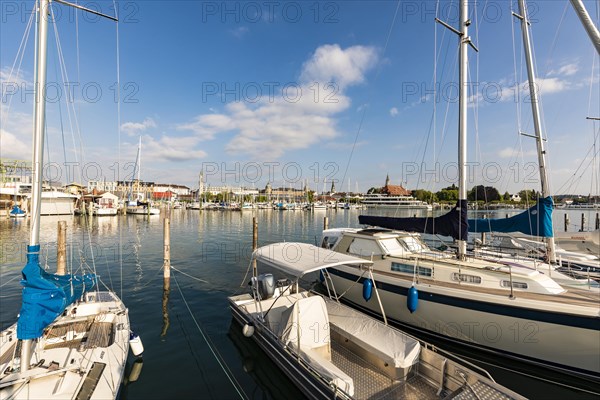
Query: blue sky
[{"x": 305, "y": 91}]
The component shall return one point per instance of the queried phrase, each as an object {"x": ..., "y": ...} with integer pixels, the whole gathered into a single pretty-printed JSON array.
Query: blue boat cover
[
  {"x": 45, "y": 296},
  {"x": 454, "y": 223},
  {"x": 16, "y": 210},
  {"x": 536, "y": 221}
]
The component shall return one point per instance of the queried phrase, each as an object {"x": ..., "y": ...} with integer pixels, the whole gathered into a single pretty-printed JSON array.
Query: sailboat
[
  {"x": 537, "y": 220},
  {"x": 507, "y": 309},
  {"x": 70, "y": 342},
  {"x": 141, "y": 205}
]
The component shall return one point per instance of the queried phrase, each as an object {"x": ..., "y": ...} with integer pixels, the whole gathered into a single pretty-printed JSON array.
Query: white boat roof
[{"x": 298, "y": 259}]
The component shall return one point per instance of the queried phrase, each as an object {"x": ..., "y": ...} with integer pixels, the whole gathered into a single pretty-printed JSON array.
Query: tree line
[{"x": 479, "y": 193}]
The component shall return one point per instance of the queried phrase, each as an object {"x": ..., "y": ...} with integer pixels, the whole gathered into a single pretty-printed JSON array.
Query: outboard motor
[{"x": 265, "y": 286}]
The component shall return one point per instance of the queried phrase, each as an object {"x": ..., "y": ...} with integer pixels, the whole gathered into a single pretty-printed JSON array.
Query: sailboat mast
[
  {"x": 462, "y": 114},
  {"x": 537, "y": 124},
  {"x": 39, "y": 110},
  {"x": 39, "y": 115},
  {"x": 587, "y": 22},
  {"x": 139, "y": 160}
]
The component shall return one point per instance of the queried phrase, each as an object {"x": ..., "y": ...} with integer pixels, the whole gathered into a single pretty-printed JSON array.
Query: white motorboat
[{"x": 330, "y": 350}]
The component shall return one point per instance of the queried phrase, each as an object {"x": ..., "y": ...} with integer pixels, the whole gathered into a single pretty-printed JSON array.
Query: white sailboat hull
[
  {"x": 143, "y": 211},
  {"x": 562, "y": 336},
  {"x": 88, "y": 343}
]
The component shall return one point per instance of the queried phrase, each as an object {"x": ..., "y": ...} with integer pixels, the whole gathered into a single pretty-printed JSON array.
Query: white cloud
[
  {"x": 135, "y": 128},
  {"x": 330, "y": 63},
  {"x": 206, "y": 126},
  {"x": 565, "y": 70},
  {"x": 12, "y": 146},
  {"x": 552, "y": 85},
  {"x": 15, "y": 134},
  {"x": 298, "y": 118},
  {"x": 169, "y": 148},
  {"x": 16, "y": 78},
  {"x": 393, "y": 111}
]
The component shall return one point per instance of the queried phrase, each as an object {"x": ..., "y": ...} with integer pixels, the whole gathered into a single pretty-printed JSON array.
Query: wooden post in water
[
  {"x": 566, "y": 222},
  {"x": 597, "y": 221},
  {"x": 166, "y": 250},
  {"x": 582, "y": 222},
  {"x": 325, "y": 223},
  {"x": 166, "y": 275},
  {"x": 254, "y": 243},
  {"x": 61, "y": 249}
]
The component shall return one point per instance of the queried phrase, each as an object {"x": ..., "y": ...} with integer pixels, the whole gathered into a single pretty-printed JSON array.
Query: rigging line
[
  {"x": 188, "y": 275},
  {"x": 236, "y": 385},
  {"x": 64, "y": 74},
  {"x": 62, "y": 131},
  {"x": 590, "y": 96},
  {"x": 364, "y": 111},
  {"x": 555, "y": 40},
  {"x": 580, "y": 165},
  {"x": 437, "y": 54},
  {"x": 21, "y": 53},
  {"x": 475, "y": 97},
  {"x": 544, "y": 130}
]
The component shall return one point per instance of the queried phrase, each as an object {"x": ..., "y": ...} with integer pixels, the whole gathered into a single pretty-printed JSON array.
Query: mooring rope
[
  {"x": 188, "y": 275},
  {"x": 236, "y": 385}
]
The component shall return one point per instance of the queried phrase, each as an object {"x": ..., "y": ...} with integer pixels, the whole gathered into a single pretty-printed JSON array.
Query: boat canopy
[
  {"x": 45, "y": 296},
  {"x": 453, "y": 223},
  {"x": 536, "y": 221},
  {"x": 298, "y": 259}
]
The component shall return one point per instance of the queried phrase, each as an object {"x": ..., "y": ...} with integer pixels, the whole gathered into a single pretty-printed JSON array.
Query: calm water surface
[{"x": 193, "y": 349}]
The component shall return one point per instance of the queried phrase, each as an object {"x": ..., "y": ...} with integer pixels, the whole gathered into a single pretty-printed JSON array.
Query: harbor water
[{"x": 193, "y": 349}]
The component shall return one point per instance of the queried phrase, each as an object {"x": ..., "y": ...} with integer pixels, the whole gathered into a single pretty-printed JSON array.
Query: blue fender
[
  {"x": 367, "y": 289},
  {"x": 412, "y": 300}
]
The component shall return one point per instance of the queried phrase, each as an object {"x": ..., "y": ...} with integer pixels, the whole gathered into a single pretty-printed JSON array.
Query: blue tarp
[
  {"x": 536, "y": 221},
  {"x": 16, "y": 210},
  {"x": 454, "y": 223},
  {"x": 45, "y": 296}
]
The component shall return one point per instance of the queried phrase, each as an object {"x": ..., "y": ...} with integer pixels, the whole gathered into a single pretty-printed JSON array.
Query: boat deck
[
  {"x": 372, "y": 384},
  {"x": 572, "y": 296}
]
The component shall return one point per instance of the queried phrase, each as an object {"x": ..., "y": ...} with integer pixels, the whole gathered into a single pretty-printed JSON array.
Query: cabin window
[
  {"x": 409, "y": 269},
  {"x": 516, "y": 285},
  {"x": 391, "y": 246},
  {"x": 365, "y": 248},
  {"x": 465, "y": 278}
]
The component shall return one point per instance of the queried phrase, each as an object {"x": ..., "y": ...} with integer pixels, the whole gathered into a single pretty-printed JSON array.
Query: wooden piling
[
  {"x": 254, "y": 242},
  {"x": 166, "y": 249},
  {"x": 582, "y": 222},
  {"x": 597, "y": 221},
  {"x": 566, "y": 222},
  {"x": 61, "y": 249},
  {"x": 325, "y": 223}
]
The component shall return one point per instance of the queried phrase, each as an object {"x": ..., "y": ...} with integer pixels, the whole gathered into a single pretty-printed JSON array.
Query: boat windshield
[
  {"x": 414, "y": 244},
  {"x": 364, "y": 248},
  {"x": 391, "y": 246}
]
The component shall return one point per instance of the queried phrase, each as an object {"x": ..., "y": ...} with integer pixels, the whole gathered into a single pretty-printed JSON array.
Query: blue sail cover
[
  {"x": 536, "y": 221},
  {"x": 45, "y": 296},
  {"x": 454, "y": 223}
]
